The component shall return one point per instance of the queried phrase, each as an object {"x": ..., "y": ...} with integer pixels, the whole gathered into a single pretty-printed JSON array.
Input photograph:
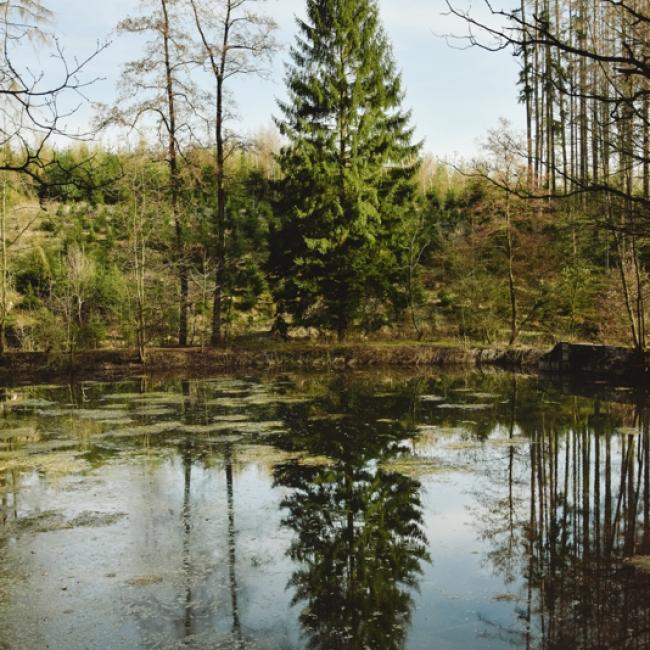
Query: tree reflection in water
[
  {"x": 358, "y": 539},
  {"x": 192, "y": 453},
  {"x": 567, "y": 513}
]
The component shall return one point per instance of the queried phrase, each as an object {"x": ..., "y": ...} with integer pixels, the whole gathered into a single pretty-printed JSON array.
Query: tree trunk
[
  {"x": 511, "y": 277},
  {"x": 174, "y": 182},
  {"x": 3, "y": 286},
  {"x": 220, "y": 226},
  {"x": 220, "y": 248}
]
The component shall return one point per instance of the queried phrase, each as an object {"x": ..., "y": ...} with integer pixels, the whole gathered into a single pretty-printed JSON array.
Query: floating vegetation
[
  {"x": 165, "y": 398},
  {"x": 226, "y": 402},
  {"x": 259, "y": 428},
  {"x": 461, "y": 445},
  {"x": 144, "y": 581},
  {"x": 275, "y": 398},
  {"x": 55, "y": 463},
  {"x": 489, "y": 442},
  {"x": 229, "y": 438},
  {"x": 153, "y": 429},
  {"x": 116, "y": 422},
  {"x": 329, "y": 417},
  {"x": 509, "y": 442},
  {"x": 27, "y": 403},
  {"x": 101, "y": 415},
  {"x": 256, "y": 399},
  {"x": 439, "y": 430},
  {"x": 127, "y": 397},
  {"x": 262, "y": 454},
  {"x": 154, "y": 411},
  {"x": 316, "y": 461},
  {"x": 199, "y": 480},
  {"x": 235, "y": 392},
  {"x": 505, "y": 598},
  {"x": 206, "y": 428},
  {"x": 50, "y": 445},
  {"x": 228, "y": 425},
  {"x": 234, "y": 417},
  {"x": 464, "y": 407},
  {"x": 52, "y": 520},
  {"x": 417, "y": 466},
  {"x": 228, "y": 384},
  {"x": 21, "y": 433},
  {"x": 56, "y": 412}
]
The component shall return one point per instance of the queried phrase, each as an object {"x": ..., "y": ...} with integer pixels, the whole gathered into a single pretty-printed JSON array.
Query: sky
[{"x": 455, "y": 95}]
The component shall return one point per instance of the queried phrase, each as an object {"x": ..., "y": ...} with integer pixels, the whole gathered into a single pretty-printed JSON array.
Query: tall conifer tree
[{"x": 348, "y": 167}]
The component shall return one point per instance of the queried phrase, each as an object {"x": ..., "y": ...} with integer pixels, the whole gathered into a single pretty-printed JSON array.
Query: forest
[{"x": 335, "y": 223}]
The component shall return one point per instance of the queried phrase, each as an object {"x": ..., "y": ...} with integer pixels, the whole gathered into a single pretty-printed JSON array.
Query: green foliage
[
  {"x": 364, "y": 236},
  {"x": 348, "y": 168},
  {"x": 248, "y": 213},
  {"x": 82, "y": 175},
  {"x": 34, "y": 272}
]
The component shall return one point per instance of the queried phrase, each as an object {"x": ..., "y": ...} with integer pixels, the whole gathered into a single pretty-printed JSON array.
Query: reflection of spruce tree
[{"x": 359, "y": 539}]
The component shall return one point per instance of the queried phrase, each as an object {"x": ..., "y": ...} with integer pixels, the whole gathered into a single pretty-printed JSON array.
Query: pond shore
[
  {"x": 616, "y": 364},
  {"x": 113, "y": 363}
]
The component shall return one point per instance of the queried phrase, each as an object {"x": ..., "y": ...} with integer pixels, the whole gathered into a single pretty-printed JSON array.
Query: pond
[{"x": 335, "y": 511}]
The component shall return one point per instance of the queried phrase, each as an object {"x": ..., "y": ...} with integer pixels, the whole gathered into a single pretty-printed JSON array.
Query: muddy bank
[
  {"x": 613, "y": 364},
  {"x": 617, "y": 365},
  {"x": 30, "y": 366}
]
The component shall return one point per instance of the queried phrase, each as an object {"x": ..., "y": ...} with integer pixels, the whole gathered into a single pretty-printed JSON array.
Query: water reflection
[
  {"x": 302, "y": 511},
  {"x": 570, "y": 514},
  {"x": 359, "y": 541}
]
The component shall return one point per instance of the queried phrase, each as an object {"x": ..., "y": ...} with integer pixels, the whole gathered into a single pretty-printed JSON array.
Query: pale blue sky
[{"x": 455, "y": 95}]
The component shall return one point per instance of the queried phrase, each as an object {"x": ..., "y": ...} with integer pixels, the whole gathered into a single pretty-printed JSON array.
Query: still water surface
[{"x": 341, "y": 511}]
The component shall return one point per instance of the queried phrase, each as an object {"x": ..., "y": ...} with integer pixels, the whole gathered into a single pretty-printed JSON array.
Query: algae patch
[
  {"x": 417, "y": 466},
  {"x": 21, "y": 433},
  {"x": 262, "y": 454},
  {"x": 52, "y": 520},
  {"x": 464, "y": 407},
  {"x": 59, "y": 463},
  {"x": 144, "y": 581}
]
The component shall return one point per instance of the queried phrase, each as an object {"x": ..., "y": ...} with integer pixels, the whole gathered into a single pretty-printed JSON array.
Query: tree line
[
  {"x": 334, "y": 222},
  {"x": 585, "y": 155}
]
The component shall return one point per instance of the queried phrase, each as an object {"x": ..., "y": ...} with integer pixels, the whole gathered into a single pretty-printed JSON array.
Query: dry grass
[{"x": 639, "y": 562}]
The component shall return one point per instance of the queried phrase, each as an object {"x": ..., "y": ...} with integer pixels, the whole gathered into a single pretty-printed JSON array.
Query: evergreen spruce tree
[{"x": 348, "y": 168}]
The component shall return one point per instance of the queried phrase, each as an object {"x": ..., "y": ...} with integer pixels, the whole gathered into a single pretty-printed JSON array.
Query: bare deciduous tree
[
  {"x": 234, "y": 40},
  {"x": 586, "y": 90},
  {"x": 35, "y": 106},
  {"x": 164, "y": 98}
]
